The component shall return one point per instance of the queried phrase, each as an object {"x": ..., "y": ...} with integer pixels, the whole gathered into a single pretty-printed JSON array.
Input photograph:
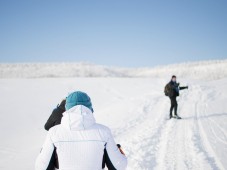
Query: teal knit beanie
[{"x": 78, "y": 98}]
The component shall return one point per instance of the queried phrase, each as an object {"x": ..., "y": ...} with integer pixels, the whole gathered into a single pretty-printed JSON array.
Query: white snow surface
[
  {"x": 205, "y": 70},
  {"x": 134, "y": 108}
]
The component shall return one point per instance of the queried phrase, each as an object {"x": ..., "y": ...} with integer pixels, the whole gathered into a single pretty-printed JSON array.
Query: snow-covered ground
[
  {"x": 214, "y": 69},
  {"x": 134, "y": 108}
]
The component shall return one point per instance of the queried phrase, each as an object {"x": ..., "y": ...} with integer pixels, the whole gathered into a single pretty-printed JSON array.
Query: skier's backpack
[{"x": 167, "y": 89}]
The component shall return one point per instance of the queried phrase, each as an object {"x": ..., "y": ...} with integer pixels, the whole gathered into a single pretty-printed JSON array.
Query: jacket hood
[{"x": 78, "y": 118}]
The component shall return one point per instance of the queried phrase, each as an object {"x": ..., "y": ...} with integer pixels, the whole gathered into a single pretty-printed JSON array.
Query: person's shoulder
[
  {"x": 171, "y": 84},
  {"x": 104, "y": 131},
  {"x": 54, "y": 129},
  {"x": 101, "y": 126},
  {"x": 57, "y": 132}
]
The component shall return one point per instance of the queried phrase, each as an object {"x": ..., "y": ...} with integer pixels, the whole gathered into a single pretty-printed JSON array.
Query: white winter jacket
[{"x": 80, "y": 143}]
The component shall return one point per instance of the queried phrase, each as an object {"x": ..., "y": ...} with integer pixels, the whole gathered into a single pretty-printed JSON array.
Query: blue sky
[{"x": 130, "y": 33}]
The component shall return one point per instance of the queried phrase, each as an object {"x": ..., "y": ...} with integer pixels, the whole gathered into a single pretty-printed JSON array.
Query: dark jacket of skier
[
  {"x": 55, "y": 117},
  {"x": 174, "y": 90}
]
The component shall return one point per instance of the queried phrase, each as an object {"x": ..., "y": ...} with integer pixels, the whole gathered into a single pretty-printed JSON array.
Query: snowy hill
[
  {"x": 207, "y": 70},
  {"x": 41, "y": 70}
]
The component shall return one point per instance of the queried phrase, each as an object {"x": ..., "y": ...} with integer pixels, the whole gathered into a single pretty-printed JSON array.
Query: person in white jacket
[{"x": 79, "y": 140}]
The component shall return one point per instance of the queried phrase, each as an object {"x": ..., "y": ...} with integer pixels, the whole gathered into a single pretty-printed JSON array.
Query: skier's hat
[{"x": 78, "y": 98}]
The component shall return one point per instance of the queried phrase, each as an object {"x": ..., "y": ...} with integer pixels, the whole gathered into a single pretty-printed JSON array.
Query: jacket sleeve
[
  {"x": 50, "y": 122},
  {"x": 54, "y": 119},
  {"x": 118, "y": 160},
  {"x": 44, "y": 157},
  {"x": 182, "y": 88}
]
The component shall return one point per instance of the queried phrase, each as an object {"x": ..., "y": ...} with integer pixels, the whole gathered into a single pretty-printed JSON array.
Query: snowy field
[{"x": 134, "y": 108}]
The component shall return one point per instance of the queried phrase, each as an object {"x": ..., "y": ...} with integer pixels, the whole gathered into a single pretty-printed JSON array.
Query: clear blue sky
[{"x": 131, "y": 33}]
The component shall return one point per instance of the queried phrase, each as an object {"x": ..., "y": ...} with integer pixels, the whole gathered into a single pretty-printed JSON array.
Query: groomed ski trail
[
  {"x": 154, "y": 142},
  {"x": 143, "y": 135}
]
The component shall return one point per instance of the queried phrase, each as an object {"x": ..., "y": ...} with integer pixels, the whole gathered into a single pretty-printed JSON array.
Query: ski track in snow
[
  {"x": 142, "y": 136},
  {"x": 171, "y": 144}
]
